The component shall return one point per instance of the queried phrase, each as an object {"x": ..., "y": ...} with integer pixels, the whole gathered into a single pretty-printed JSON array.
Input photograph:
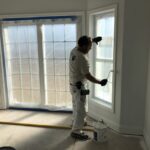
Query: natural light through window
[
  {"x": 22, "y": 63},
  {"x": 104, "y": 55},
  {"x": 36, "y": 57},
  {"x": 58, "y": 41}
]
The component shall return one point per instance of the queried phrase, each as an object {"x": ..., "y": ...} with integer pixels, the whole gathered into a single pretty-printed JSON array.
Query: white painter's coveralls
[{"x": 78, "y": 68}]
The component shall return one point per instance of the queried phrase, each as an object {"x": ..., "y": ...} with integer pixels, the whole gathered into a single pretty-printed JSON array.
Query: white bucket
[{"x": 100, "y": 133}]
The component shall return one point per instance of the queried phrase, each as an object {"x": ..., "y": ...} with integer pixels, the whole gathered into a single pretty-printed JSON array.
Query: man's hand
[
  {"x": 94, "y": 80},
  {"x": 103, "y": 82},
  {"x": 97, "y": 39}
]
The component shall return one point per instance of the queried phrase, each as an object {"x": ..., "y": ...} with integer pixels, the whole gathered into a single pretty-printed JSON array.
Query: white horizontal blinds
[
  {"x": 59, "y": 38},
  {"x": 104, "y": 55},
  {"x": 21, "y": 57}
]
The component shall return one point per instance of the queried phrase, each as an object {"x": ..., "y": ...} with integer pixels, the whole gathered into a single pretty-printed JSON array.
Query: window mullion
[
  {"x": 104, "y": 60},
  {"x": 41, "y": 67}
]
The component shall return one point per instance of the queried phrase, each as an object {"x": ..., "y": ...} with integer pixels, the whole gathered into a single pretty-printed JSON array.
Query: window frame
[{"x": 92, "y": 24}]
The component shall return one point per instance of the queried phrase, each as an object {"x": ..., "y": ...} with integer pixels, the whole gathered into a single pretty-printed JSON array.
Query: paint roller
[
  {"x": 103, "y": 82},
  {"x": 109, "y": 74}
]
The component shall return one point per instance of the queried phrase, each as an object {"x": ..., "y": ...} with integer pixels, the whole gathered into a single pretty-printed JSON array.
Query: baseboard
[
  {"x": 147, "y": 140},
  {"x": 120, "y": 128},
  {"x": 2, "y": 108},
  {"x": 111, "y": 124},
  {"x": 131, "y": 130},
  {"x": 2, "y": 105}
]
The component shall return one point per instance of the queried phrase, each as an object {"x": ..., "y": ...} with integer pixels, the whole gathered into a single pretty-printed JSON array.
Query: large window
[{"x": 36, "y": 58}]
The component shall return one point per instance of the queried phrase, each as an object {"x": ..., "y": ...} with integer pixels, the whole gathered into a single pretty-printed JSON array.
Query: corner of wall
[
  {"x": 147, "y": 140},
  {"x": 147, "y": 110}
]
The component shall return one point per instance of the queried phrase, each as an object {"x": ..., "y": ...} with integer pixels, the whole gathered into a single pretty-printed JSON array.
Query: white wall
[
  {"x": 40, "y": 6},
  {"x": 147, "y": 112},
  {"x": 135, "y": 59}
]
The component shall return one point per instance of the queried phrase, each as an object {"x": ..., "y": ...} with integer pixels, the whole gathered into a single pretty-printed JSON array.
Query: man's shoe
[{"x": 80, "y": 136}]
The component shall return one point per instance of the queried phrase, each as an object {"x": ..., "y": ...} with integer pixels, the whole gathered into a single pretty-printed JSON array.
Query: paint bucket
[{"x": 100, "y": 132}]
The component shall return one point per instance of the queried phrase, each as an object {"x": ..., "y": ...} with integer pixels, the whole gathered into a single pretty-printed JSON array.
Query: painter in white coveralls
[{"x": 78, "y": 75}]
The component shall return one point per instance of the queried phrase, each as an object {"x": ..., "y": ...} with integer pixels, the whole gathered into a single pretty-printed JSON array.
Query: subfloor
[{"x": 34, "y": 138}]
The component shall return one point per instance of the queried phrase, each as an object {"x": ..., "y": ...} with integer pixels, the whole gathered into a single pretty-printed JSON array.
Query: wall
[
  {"x": 41, "y": 6},
  {"x": 147, "y": 112},
  {"x": 134, "y": 68},
  {"x": 94, "y": 4}
]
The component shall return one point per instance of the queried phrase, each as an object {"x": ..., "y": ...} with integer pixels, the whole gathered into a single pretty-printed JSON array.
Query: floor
[
  {"x": 38, "y": 117},
  {"x": 31, "y": 138}
]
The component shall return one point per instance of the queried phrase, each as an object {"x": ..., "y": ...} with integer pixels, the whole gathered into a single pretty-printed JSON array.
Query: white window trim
[{"x": 90, "y": 18}]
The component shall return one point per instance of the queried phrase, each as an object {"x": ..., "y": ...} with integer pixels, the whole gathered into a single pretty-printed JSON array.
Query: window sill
[{"x": 102, "y": 105}]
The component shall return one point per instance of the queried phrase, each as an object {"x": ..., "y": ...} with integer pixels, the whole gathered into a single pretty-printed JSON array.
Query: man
[{"x": 78, "y": 74}]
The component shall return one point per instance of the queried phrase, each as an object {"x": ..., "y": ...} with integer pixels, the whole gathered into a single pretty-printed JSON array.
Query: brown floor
[
  {"x": 37, "y": 117},
  {"x": 32, "y": 138}
]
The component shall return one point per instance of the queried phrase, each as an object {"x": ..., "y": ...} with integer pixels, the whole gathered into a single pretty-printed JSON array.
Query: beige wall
[
  {"x": 147, "y": 112},
  {"x": 135, "y": 60},
  {"x": 40, "y": 6},
  {"x": 94, "y": 4}
]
